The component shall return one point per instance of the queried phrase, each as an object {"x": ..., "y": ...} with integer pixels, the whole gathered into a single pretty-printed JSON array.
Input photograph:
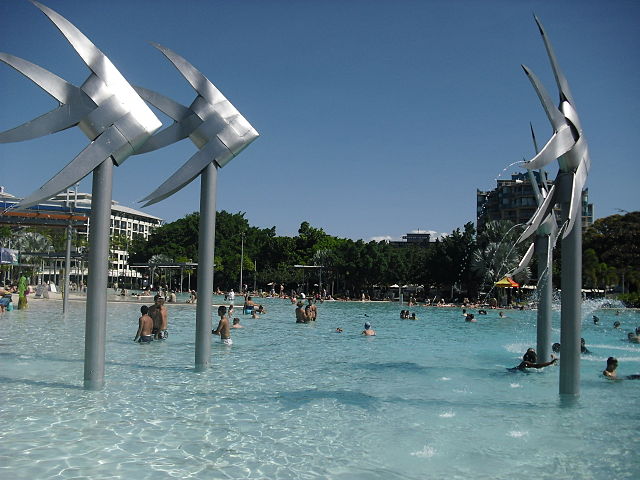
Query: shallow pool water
[{"x": 430, "y": 398}]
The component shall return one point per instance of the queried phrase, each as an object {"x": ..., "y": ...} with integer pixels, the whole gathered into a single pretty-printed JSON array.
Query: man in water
[
  {"x": 468, "y": 317},
  {"x": 248, "y": 306},
  {"x": 301, "y": 316},
  {"x": 610, "y": 371},
  {"x": 223, "y": 326},
  {"x": 145, "y": 326},
  {"x": 530, "y": 360},
  {"x": 633, "y": 338},
  {"x": 158, "y": 312},
  {"x": 368, "y": 331},
  {"x": 596, "y": 320}
]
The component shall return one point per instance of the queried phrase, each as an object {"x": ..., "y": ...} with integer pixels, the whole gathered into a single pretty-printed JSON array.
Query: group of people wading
[
  {"x": 154, "y": 322},
  {"x": 306, "y": 314}
]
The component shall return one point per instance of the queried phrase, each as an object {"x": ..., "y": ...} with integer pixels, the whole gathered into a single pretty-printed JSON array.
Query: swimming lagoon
[{"x": 424, "y": 399}]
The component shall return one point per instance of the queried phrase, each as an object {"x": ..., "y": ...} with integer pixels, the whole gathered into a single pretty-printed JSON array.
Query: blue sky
[{"x": 377, "y": 118}]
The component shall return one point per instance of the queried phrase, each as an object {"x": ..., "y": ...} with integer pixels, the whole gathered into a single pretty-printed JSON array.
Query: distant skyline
[{"x": 377, "y": 118}]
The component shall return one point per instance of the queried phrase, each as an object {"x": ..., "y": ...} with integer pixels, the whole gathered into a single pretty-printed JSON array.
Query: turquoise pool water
[{"x": 425, "y": 399}]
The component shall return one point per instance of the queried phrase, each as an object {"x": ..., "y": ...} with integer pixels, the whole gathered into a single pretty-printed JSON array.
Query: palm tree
[
  {"x": 498, "y": 254},
  {"x": 31, "y": 242}
]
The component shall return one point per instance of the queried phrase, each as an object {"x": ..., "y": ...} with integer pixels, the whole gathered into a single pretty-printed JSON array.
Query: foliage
[
  {"x": 611, "y": 251},
  {"x": 458, "y": 265},
  {"x": 631, "y": 300}
]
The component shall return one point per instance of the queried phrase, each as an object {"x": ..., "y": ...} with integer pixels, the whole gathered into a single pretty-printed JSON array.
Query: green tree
[{"x": 616, "y": 242}]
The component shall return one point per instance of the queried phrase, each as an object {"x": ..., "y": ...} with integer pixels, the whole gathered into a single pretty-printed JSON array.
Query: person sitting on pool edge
[
  {"x": 530, "y": 360},
  {"x": 145, "y": 326},
  {"x": 368, "y": 331},
  {"x": 610, "y": 371}
]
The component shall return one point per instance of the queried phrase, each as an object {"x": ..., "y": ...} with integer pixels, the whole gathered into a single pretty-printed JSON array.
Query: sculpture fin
[
  {"x": 76, "y": 104},
  {"x": 166, "y": 105},
  {"x": 555, "y": 116},
  {"x": 185, "y": 121},
  {"x": 524, "y": 262},
  {"x": 190, "y": 170},
  {"x": 100, "y": 64},
  {"x": 561, "y": 81},
  {"x": 196, "y": 79},
  {"x": 92, "y": 156},
  {"x": 539, "y": 215},
  {"x": 560, "y": 143}
]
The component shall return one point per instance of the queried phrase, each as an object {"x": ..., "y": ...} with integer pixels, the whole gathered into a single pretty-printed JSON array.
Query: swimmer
[
  {"x": 338, "y": 330},
  {"x": 556, "y": 347},
  {"x": 501, "y": 315},
  {"x": 145, "y": 326},
  {"x": 638, "y": 331},
  {"x": 612, "y": 365},
  {"x": 530, "y": 360},
  {"x": 583, "y": 347},
  {"x": 616, "y": 324},
  {"x": 610, "y": 371},
  {"x": 223, "y": 326},
  {"x": 368, "y": 331},
  {"x": 236, "y": 323},
  {"x": 468, "y": 317},
  {"x": 482, "y": 312},
  {"x": 413, "y": 316},
  {"x": 596, "y": 320},
  {"x": 633, "y": 338}
]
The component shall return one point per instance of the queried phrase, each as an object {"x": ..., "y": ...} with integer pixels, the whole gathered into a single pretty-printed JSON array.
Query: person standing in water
[
  {"x": 145, "y": 326},
  {"x": 313, "y": 310},
  {"x": 223, "y": 326},
  {"x": 158, "y": 312},
  {"x": 301, "y": 316}
]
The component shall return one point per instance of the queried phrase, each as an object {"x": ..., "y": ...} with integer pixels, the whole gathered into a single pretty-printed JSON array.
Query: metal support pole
[
  {"x": 96, "y": 319},
  {"x": 67, "y": 271},
  {"x": 545, "y": 298},
  {"x": 571, "y": 282},
  {"x": 206, "y": 245}
]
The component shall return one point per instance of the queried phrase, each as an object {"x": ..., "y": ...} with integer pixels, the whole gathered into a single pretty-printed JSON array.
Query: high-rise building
[{"x": 515, "y": 200}]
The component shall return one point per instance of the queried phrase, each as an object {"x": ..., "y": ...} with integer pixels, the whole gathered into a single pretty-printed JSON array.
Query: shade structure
[{"x": 507, "y": 282}]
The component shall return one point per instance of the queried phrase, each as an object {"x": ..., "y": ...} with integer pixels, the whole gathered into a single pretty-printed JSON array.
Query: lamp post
[{"x": 241, "y": 260}]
